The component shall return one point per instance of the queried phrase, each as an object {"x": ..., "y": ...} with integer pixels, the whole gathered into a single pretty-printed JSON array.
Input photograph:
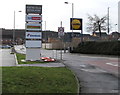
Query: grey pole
[
  {"x": 72, "y": 18},
  {"x": 14, "y": 29},
  {"x": 108, "y": 21},
  {"x": 45, "y": 35}
]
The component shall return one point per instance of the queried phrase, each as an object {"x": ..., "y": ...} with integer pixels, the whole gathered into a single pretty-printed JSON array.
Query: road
[
  {"x": 95, "y": 73},
  {"x": 7, "y": 59}
]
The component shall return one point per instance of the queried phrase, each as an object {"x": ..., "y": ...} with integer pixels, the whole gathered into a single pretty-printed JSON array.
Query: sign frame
[
  {"x": 77, "y": 24},
  {"x": 33, "y": 9}
]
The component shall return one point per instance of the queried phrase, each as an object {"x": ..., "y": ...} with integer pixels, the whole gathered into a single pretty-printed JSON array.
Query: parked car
[{"x": 5, "y": 46}]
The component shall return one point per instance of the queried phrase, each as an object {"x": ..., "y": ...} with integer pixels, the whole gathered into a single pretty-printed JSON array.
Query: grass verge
[
  {"x": 22, "y": 57},
  {"x": 38, "y": 80}
]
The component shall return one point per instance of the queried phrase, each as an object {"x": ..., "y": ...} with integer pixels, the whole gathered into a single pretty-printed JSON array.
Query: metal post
[
  {"x": 72, "y": 28},
  {"x": 61, "y": 44},
  {"x": 14, "y": 29},
  {"x": 108, "y": 20},
  {"x": 72, "y": 19},
  {"x": 45, "y": 35},
  {"x": 115, "y": 27}
]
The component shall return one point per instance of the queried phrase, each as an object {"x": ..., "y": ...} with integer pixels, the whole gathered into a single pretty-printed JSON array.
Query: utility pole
[
  {"x": 61, "y": 43},
  {"x": 108, "y": 21}
]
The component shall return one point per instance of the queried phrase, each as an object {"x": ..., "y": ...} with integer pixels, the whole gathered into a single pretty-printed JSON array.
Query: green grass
[
  {"x": 38, "y": 80},
  {"x": 22, "y": 57}
]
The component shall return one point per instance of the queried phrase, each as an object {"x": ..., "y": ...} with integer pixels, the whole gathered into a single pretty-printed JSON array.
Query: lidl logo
[{"x": 75, "y": 24}]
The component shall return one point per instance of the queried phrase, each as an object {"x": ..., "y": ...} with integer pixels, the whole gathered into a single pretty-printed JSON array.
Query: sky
[{"x": 55, "y": 11}]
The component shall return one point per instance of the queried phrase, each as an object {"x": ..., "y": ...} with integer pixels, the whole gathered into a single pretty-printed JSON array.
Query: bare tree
[{"x": 96, "y": 24}]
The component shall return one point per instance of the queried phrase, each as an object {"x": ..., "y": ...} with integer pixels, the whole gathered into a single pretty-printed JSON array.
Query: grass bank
[
  {"x": 38, "y": 80},
  {"x": 102, "y": 47}
]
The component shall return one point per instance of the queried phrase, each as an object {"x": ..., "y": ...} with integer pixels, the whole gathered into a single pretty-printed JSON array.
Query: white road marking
[{"x": 113, "y": 64}]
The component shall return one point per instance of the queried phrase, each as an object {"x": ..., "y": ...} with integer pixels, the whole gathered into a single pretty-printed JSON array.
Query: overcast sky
[{"x": 55, "y": 11}]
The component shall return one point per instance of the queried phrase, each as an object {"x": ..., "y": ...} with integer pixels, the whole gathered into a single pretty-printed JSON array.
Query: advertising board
[
  {"x": 33, "y": 18},
  {"x": 75, "y": 24},
  {"x": 33, "y": 9},
  {"x": 33, "y": 26},
  {"x": 33, "y": 43},
  {"x": 33, "y": 35}
]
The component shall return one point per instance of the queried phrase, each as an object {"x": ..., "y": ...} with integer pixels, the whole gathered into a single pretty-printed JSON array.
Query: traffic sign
[{"x": 60, "y": 31}]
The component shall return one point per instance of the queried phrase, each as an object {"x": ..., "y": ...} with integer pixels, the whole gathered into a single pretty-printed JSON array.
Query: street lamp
[
  {"x": 14, "y": 28},
  {"x": 72, "y": 15}
]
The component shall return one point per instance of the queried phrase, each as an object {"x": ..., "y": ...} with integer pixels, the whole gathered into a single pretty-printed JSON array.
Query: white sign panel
[
  {"x": 33, "y": 54},
  {"x": 33, "y": 18},
  {"x": 33, "y": 43},
  {"x": 33, "y": 26},
  {"x": 33, "y": 35}
]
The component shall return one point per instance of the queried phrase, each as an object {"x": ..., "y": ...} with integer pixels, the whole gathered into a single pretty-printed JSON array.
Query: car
[
  {"x": 48, "y": 59},
  {"x": 5, "y": 46}
]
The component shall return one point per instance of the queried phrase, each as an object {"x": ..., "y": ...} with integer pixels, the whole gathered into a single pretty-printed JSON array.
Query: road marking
[
  {"x": 113, "y": 64},
  {"x": 97, "y": 70}
]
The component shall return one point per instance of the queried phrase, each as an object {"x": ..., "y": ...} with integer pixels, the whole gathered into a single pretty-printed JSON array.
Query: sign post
[
  {"x": 33, "y": 32},
  {"x": 76, "y": 24},
  {"x": 61, "y": 34}
]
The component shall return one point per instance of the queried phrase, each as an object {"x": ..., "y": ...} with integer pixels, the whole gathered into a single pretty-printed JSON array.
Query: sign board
[
  {"x": 33, "y": 9},
  {"x": 33, "y": 43},
  {"x": 60, "y": 31},
  {"x": 75, "y": 24},
  {"x": 33, "y": 18},
  {"x": 33, "y": 35},
  {"x": 33, "y": 26},
  {"x": 33, "y": 54}
]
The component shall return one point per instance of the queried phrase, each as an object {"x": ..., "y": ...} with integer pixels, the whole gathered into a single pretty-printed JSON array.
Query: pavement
[{"x": 7, "y": 59}]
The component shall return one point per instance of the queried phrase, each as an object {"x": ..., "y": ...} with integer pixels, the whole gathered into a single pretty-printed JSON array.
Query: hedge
[{"x": 98, "y": 47}]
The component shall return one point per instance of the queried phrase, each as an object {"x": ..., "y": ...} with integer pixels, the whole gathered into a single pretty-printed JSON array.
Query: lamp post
[
  {"x": 45, "y": 35},
  {"x": 72, "y": 16},
  {"x": 115, "y": 27},
  {"x": 108, "y": 21},
  {"x": 14, "y": 28}
]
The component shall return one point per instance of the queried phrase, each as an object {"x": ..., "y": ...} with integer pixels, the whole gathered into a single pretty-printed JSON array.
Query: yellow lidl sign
[{"x": 75, "y": 24}]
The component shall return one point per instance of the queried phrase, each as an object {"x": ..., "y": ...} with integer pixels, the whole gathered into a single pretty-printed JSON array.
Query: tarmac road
[{"x": 94, "y": 74}]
